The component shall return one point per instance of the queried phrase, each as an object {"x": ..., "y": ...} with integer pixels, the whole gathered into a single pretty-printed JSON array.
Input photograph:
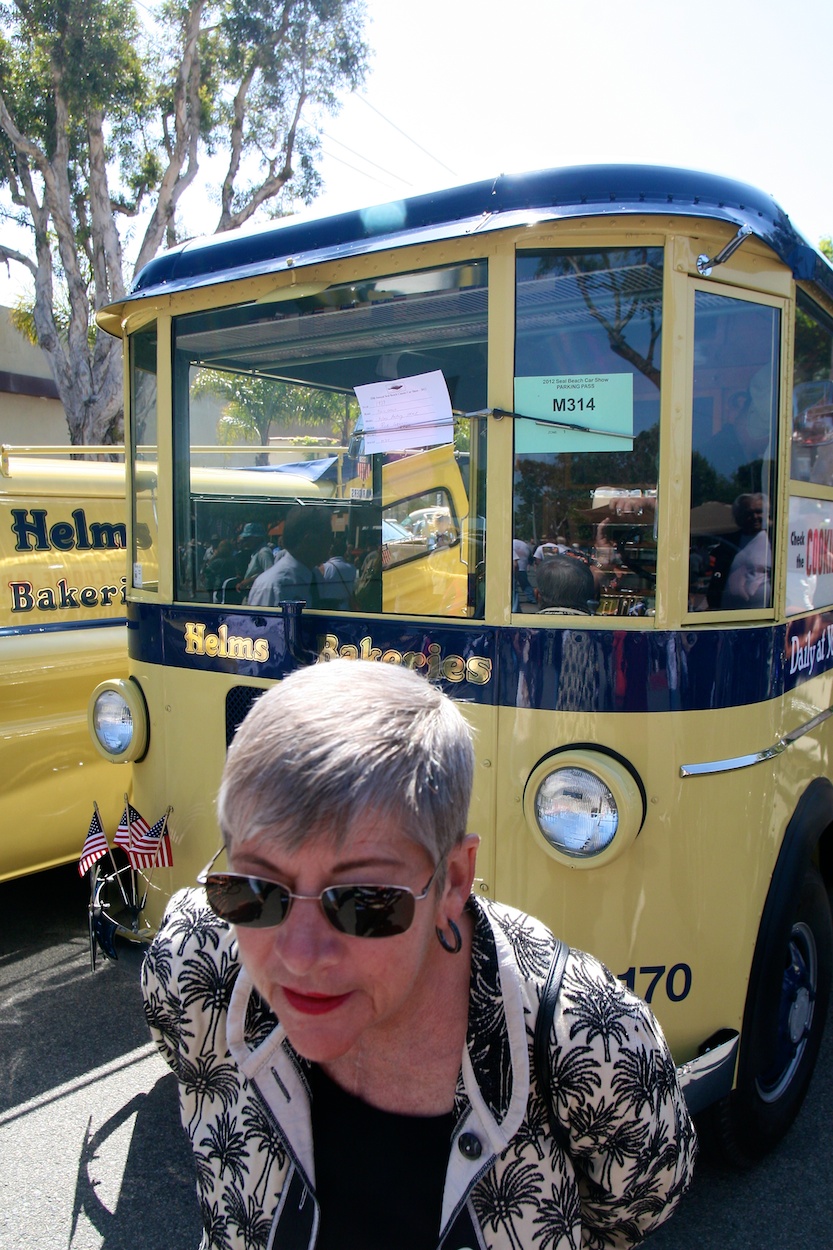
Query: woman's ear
[{"x": 459, "y": 876}]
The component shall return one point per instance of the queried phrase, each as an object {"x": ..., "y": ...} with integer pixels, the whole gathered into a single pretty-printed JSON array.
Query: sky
[
  {"x": 740, "y": 90},
  {"x": 458, "y": 91}
]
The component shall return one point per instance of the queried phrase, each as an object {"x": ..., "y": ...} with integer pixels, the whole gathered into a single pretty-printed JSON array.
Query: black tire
[{"x": 743, "y": 1127}]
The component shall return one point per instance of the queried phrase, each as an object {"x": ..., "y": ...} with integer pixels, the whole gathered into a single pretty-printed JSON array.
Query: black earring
[{"x": 444, "y": 942}]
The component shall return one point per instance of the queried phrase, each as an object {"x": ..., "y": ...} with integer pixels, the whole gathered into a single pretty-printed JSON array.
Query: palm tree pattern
[{"x": 631, "y": 1142}]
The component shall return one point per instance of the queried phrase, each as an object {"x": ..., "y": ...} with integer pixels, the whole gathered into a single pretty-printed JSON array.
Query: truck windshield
[{"x": 265, "y": 418}]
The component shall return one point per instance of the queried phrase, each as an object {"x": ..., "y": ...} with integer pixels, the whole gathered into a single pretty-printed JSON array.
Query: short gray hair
[
  {"x": 341, "y": 738},
  {"x": 566, "y": 582}
]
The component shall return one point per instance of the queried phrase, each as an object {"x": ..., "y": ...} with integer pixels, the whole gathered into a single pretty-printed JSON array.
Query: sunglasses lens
[
  {"x": 371, "y": 911},
  {"x": 247, "y": 901}
]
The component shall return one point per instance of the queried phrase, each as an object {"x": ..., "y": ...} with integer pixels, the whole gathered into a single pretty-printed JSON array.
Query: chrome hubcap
[{"x": 795, "y": 1014}]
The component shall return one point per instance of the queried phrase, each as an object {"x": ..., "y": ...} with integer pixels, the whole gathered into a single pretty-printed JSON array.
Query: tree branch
[
  {"x": 184, "y": 145},
  {"x": 270, "y": 186},
  {"x": 21, "y": 144},
  {"x": 9, "y": 253},
  {"x": 107, "y": 251},
  {"x": 263, "y": 55}
]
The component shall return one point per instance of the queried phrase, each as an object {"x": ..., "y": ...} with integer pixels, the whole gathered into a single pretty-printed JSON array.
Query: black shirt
[{"x": 379, "y": 1176}]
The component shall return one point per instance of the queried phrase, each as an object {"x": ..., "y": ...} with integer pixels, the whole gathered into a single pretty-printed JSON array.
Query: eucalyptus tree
[{"x": 108, "y": 121}]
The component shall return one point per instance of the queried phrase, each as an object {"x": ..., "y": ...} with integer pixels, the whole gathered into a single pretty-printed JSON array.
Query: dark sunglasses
[{"x": 365, "y": 911}]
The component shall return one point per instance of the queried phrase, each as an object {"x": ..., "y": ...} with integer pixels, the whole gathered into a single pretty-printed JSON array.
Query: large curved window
[{"x": 266, "y": 422}]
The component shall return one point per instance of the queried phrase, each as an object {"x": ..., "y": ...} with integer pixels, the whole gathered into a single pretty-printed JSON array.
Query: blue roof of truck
[{"x": 499, "y": 203}]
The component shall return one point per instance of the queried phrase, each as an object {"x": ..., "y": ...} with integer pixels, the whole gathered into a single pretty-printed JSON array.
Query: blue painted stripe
[
  {"x": 554, "y": 669},
  {"x": 59, "y": 627}
]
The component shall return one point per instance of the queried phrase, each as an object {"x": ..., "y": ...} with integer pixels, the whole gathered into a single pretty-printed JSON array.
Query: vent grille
[{"x": 238, "y": 702}]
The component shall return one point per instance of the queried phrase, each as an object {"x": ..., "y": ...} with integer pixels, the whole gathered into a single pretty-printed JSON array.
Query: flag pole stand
[
  {"x": 145, "y": 850},
  {"x": 116, "y": 873},
  {"x": 93, "y": 875}
]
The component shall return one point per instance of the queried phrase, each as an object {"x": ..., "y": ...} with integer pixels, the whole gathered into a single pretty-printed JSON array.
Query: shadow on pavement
[
  {"x": 59, "y": 1023},
  {"x": 157, "y": 1205},
  {"x": 57, "y": 1019}
]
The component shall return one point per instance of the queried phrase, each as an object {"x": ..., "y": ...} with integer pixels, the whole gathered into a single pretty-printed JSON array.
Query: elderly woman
[{"x": 352, "y": 1028}]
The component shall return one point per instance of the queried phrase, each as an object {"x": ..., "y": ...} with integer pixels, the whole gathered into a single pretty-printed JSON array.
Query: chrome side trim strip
[
  {"x": 709, "y": 1077},
  {"x": 757, "y": 757}
]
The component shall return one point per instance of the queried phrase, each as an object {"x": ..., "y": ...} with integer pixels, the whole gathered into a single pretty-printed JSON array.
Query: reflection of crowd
[
  {"x": 620, "y": 583},
  {"x": 339, "y": 575},
  {"x": 222, "y": 564},
  {"x": 298, "y": 557},
  {"x": 295, "y": 574},
  {"x": 566, "y": 584},
  {"x": 733, "y": 571},
  {"x": 749, "y": 582}
]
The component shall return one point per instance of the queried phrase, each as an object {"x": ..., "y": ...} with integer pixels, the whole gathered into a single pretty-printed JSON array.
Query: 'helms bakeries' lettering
[
  {"x": 33, "y": 533},
  {"x": 63, "y": 596},
  {"x": 223, "y": 645},
  {"x": 475, "y": 669}
]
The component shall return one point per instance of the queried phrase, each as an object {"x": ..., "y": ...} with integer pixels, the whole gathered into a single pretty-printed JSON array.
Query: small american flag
[
  {"x": 95, "y": 845},
  {"x": 157, "y": 837},
  {"x": 363, "y": 468},
  {"x": 385, "y": 556},
  {"x": 132, "y": 826},
  {"x": 144, "y": 846}
]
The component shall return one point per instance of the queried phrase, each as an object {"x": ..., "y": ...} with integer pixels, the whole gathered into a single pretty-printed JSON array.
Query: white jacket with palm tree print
[{"x": 509, "y": 1185}]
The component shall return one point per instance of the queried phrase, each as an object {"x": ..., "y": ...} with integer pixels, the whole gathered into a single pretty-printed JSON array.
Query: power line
[
  {"x": 331, "y": 156},
  {"x": 366, "y": 159},
  {"x": 430, "y": 155}
]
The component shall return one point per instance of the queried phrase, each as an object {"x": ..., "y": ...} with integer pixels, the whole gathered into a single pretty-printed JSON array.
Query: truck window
[
  {"x": 587, "y": 382},
  {"x": 265, "y": 405},
  {"x": 733, "y": 457},
  {"x": 143, "y": 396},
  {"x": 812, "y": 395}
]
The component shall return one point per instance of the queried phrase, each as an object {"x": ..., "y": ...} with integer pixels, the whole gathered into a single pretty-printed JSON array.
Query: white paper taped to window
[{"x": 406, "y": 413}]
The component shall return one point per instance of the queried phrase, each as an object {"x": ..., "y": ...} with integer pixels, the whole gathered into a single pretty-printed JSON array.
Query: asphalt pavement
[{"x": 93, "y": 1157}]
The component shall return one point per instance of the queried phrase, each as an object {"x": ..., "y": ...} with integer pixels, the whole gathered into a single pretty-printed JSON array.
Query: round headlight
[
  {"x": 584, "y": 806},
  {"x": 112, "y": 722},
  {"x": 576, "y": 812},
  {"x": 118, "y": 722}
]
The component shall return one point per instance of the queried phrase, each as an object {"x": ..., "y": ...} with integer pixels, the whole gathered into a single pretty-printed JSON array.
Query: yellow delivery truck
[{"x": 62, "y": 626}]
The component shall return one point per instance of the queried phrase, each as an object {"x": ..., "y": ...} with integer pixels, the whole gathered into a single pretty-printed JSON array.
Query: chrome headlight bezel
[
  {"x": 124, "y": 695},
  {"x": 612, "y": 779}
]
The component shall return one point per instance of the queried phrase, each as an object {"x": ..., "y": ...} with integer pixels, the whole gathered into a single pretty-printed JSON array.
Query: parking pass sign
[{"x": 575, "y": 412}]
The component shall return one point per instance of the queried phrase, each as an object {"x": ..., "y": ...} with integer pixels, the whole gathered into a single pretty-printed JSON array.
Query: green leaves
[
  {"x": 108, "y": 111},
  {"x": 256, "y": 408}
]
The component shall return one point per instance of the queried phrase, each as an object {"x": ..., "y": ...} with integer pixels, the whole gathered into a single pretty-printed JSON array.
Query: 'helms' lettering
[{"x": 33, "y": 533}]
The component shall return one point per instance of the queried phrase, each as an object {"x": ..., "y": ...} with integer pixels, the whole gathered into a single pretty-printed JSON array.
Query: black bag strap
[{"x": 542, "y": 1038}]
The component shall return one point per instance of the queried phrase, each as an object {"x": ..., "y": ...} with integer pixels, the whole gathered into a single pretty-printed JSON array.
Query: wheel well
[{"x": 802, "y": 844}]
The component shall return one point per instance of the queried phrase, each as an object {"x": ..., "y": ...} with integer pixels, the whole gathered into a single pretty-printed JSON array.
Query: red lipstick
[{"x": 313, "y": 1004}]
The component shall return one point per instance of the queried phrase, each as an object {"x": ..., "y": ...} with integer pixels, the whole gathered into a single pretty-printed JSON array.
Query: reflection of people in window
[
  {"x": 307, "y": 539},
  {"x": 743, "y": 442},
  {"x": 339, "y": 575},
  {"x": 442, "y": 533},
  {"x": 742, "y": 439},
  {"x": 566, "y": 585},
  {"x": 630, "y": 520},
  {"x": 749, "y": 579},
  {"x": 812, "y": 449}
]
